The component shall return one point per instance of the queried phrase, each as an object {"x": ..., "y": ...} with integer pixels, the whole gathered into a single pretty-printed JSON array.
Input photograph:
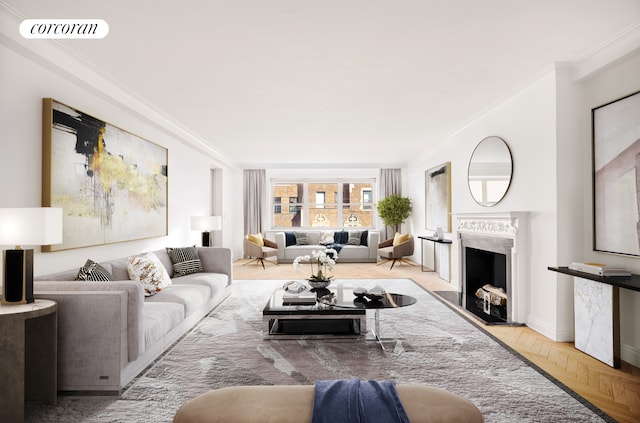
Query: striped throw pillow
[
  {"x": 92, "y": 271},
  {"x": 185, "y": 260}
]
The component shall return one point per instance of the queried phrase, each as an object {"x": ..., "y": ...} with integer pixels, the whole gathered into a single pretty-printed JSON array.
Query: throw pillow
[
  {"x": 149, "y": 271},
  {"x": 354, "y": 238},
  {"x": 364, "y": 239},
  {"x": 289, "y": 239},
  {"x": 400, "y": 238},
  {"x": 302, "y": 238},
  {"x": 269, "y": 243},
  {"x": 92, "y": 271},
  {"x": 185, "y": 260},
  {"x": 326, "y": 238},
  {"x": 256, "y": 239},
  {"x": 341, "y": 237}
]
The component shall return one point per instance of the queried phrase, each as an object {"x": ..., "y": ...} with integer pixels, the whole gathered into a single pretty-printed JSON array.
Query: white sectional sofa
[
  {"x": 364, "y": 245},
  {"x": 108, "y": 332}
]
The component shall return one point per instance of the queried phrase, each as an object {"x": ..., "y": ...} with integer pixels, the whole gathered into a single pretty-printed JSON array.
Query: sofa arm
[
  {"x": 282, "y": 244},
  {"x": 217, "y": 260},
  {"x": 372, "y": 241},
  {"x": 134, "y": 299},
  {"x": 92, "y": 338}
]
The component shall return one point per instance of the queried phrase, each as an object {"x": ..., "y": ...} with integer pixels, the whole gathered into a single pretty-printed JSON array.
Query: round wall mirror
[{"x": 490, "y": 170}]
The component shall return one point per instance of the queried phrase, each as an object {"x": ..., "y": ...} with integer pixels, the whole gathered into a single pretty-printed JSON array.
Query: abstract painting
[
  {"x": 616, "y": 176},
  {"x": 111, "y": 184},
  {"x": 438, "y": 197}
]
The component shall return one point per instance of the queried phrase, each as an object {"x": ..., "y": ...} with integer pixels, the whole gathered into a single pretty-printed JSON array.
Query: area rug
[{"x": 427, "y": 343}]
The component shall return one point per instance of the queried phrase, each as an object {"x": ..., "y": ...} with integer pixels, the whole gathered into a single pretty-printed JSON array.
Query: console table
[
  {"x": 435, "y": 241},
  {"x": 597, "y": 312},
  {"x": 28, "y": 347}
]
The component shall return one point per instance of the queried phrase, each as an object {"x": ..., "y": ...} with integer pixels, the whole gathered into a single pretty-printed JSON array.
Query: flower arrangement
[{"x": 325, "y": 260}]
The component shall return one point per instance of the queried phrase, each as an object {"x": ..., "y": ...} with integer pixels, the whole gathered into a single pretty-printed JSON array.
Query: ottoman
[{"x": 294, "y": 404}]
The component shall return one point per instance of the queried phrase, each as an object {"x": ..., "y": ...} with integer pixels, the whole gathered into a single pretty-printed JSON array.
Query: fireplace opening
[{"x": 485, "y": 291}]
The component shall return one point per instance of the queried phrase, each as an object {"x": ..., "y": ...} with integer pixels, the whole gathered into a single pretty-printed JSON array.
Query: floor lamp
[
  {"x": 25, "y": 226},
  {"x": 206, "y": 224}
]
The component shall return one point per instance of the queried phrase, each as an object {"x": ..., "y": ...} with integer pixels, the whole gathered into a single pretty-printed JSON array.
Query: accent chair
[
  {"x": 396, "y": 249},
  {"x": 259, "y": 248}
]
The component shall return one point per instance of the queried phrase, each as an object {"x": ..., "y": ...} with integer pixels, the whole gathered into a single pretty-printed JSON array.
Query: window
[
  {"x": 277, "y": 208},
  {"x": 323, "y": 204}
]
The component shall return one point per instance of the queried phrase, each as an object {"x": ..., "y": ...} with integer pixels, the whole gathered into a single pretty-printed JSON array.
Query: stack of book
[
  {"x": 599, "y": 269},
  {"x": 303, "y": 298}
]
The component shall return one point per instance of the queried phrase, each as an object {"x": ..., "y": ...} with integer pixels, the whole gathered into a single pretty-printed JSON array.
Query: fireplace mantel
[
  {"x": 492, "y": 224},
  {"x": 507, "y": 226}
]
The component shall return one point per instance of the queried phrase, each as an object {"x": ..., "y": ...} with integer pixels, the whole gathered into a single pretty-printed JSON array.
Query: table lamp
[
  {"x": 25, "y": 226},
  {"x": 206, "y": 224}
]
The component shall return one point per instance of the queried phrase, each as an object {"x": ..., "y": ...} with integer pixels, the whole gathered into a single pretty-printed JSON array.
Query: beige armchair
[
  {"x": 396, "y": 249},
  {"x": 254, "y": 249}
]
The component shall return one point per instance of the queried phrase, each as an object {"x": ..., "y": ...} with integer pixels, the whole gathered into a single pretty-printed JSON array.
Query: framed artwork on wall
[
  {"x": 438, "y": 197},
  {"x": 110, "y": 183},
  {"x": 616, "y": 176}
]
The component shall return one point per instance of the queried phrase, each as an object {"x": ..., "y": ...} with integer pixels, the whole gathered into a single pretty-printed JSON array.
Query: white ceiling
[{"x": 290, "y": 83}]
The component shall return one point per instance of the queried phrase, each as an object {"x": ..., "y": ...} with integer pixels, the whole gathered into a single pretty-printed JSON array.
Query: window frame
[{"x": 306, "y": 203}]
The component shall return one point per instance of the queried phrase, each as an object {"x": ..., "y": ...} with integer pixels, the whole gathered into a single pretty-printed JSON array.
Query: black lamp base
[
  {"x": 17, "y": 282},
  {"x": 206, "y": 242}
]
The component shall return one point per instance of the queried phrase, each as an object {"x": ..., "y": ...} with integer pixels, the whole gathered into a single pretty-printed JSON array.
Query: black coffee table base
[{"x": 301, "y": 326}]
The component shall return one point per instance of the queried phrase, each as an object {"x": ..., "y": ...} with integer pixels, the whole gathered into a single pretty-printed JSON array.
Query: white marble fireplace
[{"x": 501, "y": 239}]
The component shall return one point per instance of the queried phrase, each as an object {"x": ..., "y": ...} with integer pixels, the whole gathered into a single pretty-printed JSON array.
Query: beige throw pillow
[{"x": 149, "y": 271}]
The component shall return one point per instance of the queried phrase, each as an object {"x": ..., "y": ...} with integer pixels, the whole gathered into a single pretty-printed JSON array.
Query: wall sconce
[
  {"x": 25, "y": 226},
  {"x": 206, "y": 224}
]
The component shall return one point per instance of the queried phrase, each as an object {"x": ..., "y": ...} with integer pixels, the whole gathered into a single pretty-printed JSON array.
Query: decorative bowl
[{"x": 318, "y": 284}]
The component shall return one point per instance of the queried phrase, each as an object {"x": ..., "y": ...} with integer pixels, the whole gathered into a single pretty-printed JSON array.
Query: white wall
[
  {"x": 547, "y": 126},
  {"x": 526, "y": 122},
  {"x": 37, "y": 69}
]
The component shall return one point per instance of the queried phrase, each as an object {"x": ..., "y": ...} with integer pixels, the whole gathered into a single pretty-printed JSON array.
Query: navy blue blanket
[{"x": 355, "y": 401}]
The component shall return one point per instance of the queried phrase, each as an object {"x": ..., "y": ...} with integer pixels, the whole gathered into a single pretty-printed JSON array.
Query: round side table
[{"x": 29, "y": 349}]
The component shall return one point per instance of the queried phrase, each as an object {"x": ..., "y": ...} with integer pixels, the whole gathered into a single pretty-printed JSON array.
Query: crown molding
[
  {"x": 62, "y": 60},
  {"x": 609, "y": 52}
]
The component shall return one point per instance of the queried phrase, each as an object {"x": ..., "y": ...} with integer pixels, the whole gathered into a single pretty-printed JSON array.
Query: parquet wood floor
[{"x": 614, "y": 391}]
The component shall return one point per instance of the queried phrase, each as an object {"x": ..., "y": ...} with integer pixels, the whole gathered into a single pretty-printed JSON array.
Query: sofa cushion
[
  {"x": 184, "y": 260},
  {"x": 160, "y": 318},
  {"x": 148, "y": 270},
  {"x": 215, "y": 281},
  {"x": 92, "y": 271},
  {"x": 189, "y": 296}
]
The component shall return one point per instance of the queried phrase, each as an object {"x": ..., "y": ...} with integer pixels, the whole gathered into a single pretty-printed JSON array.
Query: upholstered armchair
[
  {"x": 396, "y": 249},
  {"x": 259, "y": 248}
]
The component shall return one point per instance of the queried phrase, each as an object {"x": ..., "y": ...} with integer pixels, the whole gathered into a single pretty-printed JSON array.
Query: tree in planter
[{"x": 394, "y": 210}]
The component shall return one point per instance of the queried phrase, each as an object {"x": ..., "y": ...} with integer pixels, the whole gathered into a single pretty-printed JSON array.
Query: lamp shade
[
  {"x": 206, "y": 223},
  {"x": 30, "y": 226}
]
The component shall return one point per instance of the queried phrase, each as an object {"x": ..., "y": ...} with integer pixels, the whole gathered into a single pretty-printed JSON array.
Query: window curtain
[
  {"x": 390, "y": 183},
  {"x": 255, "y": 200}
]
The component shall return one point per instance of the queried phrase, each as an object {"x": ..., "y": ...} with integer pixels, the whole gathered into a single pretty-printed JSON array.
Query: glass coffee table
[{"x": 335, "y": 312}]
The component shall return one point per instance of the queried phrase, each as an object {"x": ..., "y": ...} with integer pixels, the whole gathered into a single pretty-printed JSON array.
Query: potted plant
[{"x": 394, "y": 210}]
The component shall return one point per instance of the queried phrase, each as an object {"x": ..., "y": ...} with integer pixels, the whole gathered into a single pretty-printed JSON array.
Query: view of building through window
[{"x": 322, "y": 204}]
